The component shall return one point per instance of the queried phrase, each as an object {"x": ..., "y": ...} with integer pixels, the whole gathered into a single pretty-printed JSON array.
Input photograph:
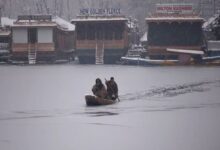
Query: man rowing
[{"x": 112, "y": 88}]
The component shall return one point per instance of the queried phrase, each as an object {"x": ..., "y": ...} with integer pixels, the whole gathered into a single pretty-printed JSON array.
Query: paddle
[{"x": 112, "y": 90}]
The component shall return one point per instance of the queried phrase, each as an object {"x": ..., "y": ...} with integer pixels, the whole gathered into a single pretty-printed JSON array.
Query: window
[
  {"x": 118, "y": 31},
  {"x": 178, "y": 34},
  {"x": 108, "y": 32},
  {"x": 91, "y": 32},
  {"x": 81, "y": 32},
  {"x": 100, "y": 31}
]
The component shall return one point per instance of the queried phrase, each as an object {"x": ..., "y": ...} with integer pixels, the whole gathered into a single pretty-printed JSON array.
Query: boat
[
  {"x": 97, "y": 101},
  {"x": 146, "y": 61}
]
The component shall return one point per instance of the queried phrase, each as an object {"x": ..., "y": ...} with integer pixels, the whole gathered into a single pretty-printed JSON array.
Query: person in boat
[
  {"x": 99, "y": 89},
  {"x": 112, "y": 88}
]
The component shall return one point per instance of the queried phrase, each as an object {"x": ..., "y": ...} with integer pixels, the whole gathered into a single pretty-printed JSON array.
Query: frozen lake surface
[{"x": 162, "y": 108}]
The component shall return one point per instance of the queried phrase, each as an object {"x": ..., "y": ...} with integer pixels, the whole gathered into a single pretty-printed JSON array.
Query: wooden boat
[
  {"x": 96, "y": 101},
  {"x": 146, "y": 61}
]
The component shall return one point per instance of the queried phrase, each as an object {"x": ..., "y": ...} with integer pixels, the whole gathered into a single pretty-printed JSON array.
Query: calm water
[{"x": 162, "y": 108}]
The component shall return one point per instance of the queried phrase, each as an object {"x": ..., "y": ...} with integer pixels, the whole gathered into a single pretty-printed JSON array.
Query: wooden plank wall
[
  {"x": 91, "y": 44},
  {"x": 44, "y": 47}
]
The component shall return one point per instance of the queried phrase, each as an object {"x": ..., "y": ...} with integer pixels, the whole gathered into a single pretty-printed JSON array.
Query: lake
[{"x": 42, "y": 107}]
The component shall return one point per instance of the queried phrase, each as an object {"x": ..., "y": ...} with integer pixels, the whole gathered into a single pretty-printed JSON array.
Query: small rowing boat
[{"x": 96, "y": 101}]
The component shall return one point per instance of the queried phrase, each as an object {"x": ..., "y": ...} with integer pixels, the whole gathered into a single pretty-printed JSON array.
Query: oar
[{"x": 118, "y": 99}]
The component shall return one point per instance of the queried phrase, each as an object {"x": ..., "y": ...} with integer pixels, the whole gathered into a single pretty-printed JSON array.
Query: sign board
[
  {"x": 35, "y": 17},
  {"x": 100, "y": 11},
  {"x": 174, "y": 8}
]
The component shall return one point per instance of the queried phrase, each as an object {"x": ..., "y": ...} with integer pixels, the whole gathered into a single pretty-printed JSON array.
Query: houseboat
[
  {"x": 33, "y": 38},
  {"x": 100, "y": 38},
  {"x": 5, "y": 38},
  {"x": 5, "y": 35},
  {"x": 174, "y": 26}
]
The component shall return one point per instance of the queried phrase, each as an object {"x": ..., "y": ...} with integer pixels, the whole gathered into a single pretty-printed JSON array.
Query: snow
[
  {"x": 185, "y": 51},
  {"x": 211, "y": 22},
  {"x": 61, "y": 22},
  {"x": 144, "y": 37},
  {"x": 208, "y": 23},
  {"x": 4, "y": 33},
  {"x": 7, "y": 21},
  {"x": 64, "y": 24},
  {"x": 131, "y": 24},
  {"x": 34, "y": 25}
]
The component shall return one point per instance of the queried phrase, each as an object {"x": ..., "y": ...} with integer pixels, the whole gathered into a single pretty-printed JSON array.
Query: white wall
[
  {"x": 45, "y": 35},
  {"x": 20, "y": 35}
]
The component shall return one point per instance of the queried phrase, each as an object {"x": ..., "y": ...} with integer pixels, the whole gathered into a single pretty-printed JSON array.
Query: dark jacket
[
  {"x": 112, "y": 89},
  {"x": 99, "y": 90}
]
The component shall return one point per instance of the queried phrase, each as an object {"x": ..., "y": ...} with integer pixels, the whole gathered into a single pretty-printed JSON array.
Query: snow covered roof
[
  {"x": 161, "y": 19},
  {"x": 7, "y": 21},
  {"x": 174, "y": 17},
  {"x": 4, "y": 33},
  {"x": 63, "y": 24},
  {"x": 144, "y": 37},
  {"x": 99, "y": 18},
  {"x": 33, "y": 23}
]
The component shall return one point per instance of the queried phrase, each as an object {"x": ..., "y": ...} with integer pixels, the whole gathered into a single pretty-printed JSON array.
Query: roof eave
[
  {"x": 98, "y": 20},
  {"x": 174, "y": 20}
]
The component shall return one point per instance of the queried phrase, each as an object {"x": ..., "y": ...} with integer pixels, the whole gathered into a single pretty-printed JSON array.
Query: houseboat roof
[
  {"x": 4, "y": 33},
  {"x": 34, "y": 24},
  {"x": 34, "y": 21},
  {"x": 174, "y": 18},
  {"x": 98, "y": 19},
  {"x": 63, "y": 24}
]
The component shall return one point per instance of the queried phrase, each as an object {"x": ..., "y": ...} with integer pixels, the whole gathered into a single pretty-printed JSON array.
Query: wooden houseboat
[
  {"x": 174, "y": 26},
  {"x": 33, "y": 38},
  {"x": 101, "y": 39},
  {"x": 5, "y": 38}
]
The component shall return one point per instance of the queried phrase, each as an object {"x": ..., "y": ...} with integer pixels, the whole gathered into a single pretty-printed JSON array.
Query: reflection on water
[
  {"x": 107, "y": 124},
  {"x": 101, "y": 113}
]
